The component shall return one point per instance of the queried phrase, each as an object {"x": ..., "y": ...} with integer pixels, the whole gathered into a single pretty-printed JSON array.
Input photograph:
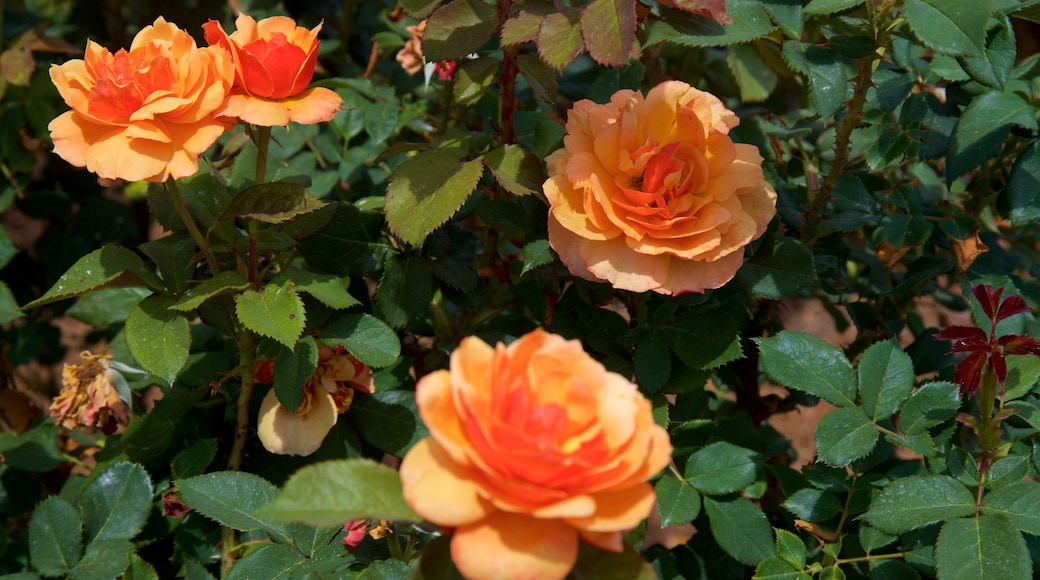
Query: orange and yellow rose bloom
[
  {"x": 143, "y": 114},
  {"x": 274, "y": 62},
  {"x": 653, "y": 194},
  {"x": 533, "y": 446}
]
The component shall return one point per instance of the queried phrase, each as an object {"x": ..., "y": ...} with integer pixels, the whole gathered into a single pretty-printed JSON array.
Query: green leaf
[
  {"x": 827, "y": 80},
  {"x": 472, "y": 79},
  {"x": 845, "y": 435},
  {"x": 99, "y": 308},
  {"x": 222, "y": 283},
  {"x": 536, "y": 253},
  {"x": 559, "y": 38},
  {"x": 458, "y": 28},
  {"x": 139, "y": 570},
  {"x": 721, "y": 468},
  {"x": 293, "y": 367},
  {"x": 677, "y": 501},
  {"x": 704, "y": 339},
  {"x": 275, "y": 312},
  {"x": 893, "y": 570},
  {"x": 169, "y": 254},
  {"x": 754, "y": 77},
  {"x": 892, "y": 145},
  {"x": 380, "y": 120},
  {"x": 158, "y": 338},
  {"x": 116, "y": 504},
  {"x": 108, "y": 267},
  {"x": 232, "y": 498},
  {"x": 329, "y": 289},
  {"x": 55, "y": 537},
  {"x": 871, "y": 538},
  {"x": 801, "y": 361},
  {"x": 516, "y": 169},
  {"x": 8, "y": 305},
  {"x": 791, "y": 548},
  {"x": 982, "y": 128},
  {"x": 369, "y": 339},
  {"x": 272, "y": 561},
  {"x": 598, "y": 564},
  {"x": 652, "y": 362},
  {"x": 886, "y": 376},
  {"x": 777, "y": 569},
  {"x": 405, "y": 290},
  {"x": 389, "y": 420},
  {"x": 332, "y": 492},
  {"x": 994, "y": 66},
  {"x": 930, "y": 405},
  {"x": 954, "y": 27},
  {"x": 193, "y": 460},
  {"x": 1019, "y": 503},
  {"x": 542, "y": 80},
  {"x": 750, "y": 22},
  {"x": 826, "y": 7},
  {"x": 985, "y": 548},
  {"x": 522, "y": 27},
  {"x": 419, "y": 9},
  {"x": 1022, "y": 195},
  {"x": 272, "y": 203},
  {"x": 787, "y": 14},
  {"x": 609, "y": 29},
  {"x": 778, "y": 269},
  {"x": 103, "y": 559},
  {"x": 426, "y": 190},
  {"x": 813, "y": 505},
  {"x": 916, "y": 501},
  {"x": 348, "y": 244},
  {"x": 152, "y": 438},
  {"x": 741, "y": 529}
]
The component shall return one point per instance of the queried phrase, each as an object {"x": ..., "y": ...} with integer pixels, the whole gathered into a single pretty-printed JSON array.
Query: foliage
[{"x": 900, "y": 136}]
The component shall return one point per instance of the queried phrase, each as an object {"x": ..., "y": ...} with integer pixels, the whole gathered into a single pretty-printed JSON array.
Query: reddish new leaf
[
  {"x": 609, "y": 29},
  {"x": 714, "y": 9},
  {"x": 1020, "y": 344},
  {"x": 964, "y": 338}
]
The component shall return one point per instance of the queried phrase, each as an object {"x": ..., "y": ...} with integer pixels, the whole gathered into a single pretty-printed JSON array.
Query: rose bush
[
  {"x": 143, "y": 114},
  {"x": 652, "y": 193},
  {"x": 532, "y": 446},
  {"x": 274, "y": 62}
]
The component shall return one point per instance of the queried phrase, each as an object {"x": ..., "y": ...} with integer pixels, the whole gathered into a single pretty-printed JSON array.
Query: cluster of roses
[{"x": 148, "y": 113}]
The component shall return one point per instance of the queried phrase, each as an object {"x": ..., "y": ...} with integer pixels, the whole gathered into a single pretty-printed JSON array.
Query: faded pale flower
[
  {"x": 327, "y": 394},
  {"x": 88, "y": 396},
  {"x": 143, "y": 114},
  {"x": 274, "y": 61},
  {"x": 411, "y": 56},
  {"x": 532, "y": 447},
  {"x": 652, "y": 194}
]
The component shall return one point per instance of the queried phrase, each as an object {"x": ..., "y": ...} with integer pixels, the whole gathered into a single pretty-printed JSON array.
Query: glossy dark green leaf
[
  {"x": 787, "y": 14},
  {"x": 791, "y": 549},
  {"x": 890, "y": 147},
  {"x": 750, "y": 22},
  {"x": 426, "y": 190},
  {"x": 472, "y": 79},
  {"x": 993, "y": 67},
  {"x": 107, "y": 267},
  {"x": 916, "y": 501},
  {"x": 102, "y": 307},
  {"x": 721, "y": 468},
  {"x": 741, "y": 529},
  {"x": 800, "y": 361},
  {"x": 103, "y": 559},
  {"x": 193, "y": 460},
  {"x": 350, "y": 243},
  {"x": 222, "y": 283},
  {"x": 886, "y": 376},
  {"x": 813, "y": 505},
  {"x": 781, "y": 267},
  {"x": 845, "y": 435},
  {"x": 982, "y": 128},
  {"x": 1019, "y": 503},
  {"x": 755, "y": 78},
  {"x": 778, "y": 569},
  {"x": 116, "y": 504},
  {"x": 232, "y": 498},
  {"x": 332, "y": 492},
  {"x": 389, "y": 420},
  {"x": 984, "y": 548},
  {"x": 293, "y": 367},
  {"x": 516, "y": 169},
  {"x": 158, "y": 338},
  {"x": 153, "y": 438},
  {"x": 274, "y": 561},
  {"x": 652, "y": 362},
  {"x": 827, "y": 80},
  {"x": 954, "y": 27},
  {"x": 366, "y": 337},
  {"x": 55, "y": 537},
  {"x": 677, "y": 501},
  {"x": 1022, "y": 195},
  {"x": 929, "y": 405},
  {"x": 704, "y": 339},
  {"x": 272, "y": 203}
]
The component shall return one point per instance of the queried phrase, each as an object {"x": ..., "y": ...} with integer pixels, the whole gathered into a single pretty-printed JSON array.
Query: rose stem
[
  {"x": 182, "y": 210},
  {"x": 507, "y": 82}
]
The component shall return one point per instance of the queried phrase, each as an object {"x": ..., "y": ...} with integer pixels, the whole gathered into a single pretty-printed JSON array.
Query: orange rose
[
  {"x": 533, "y": 446},
  {"x": 274, "y": 62},
  {"x": 146, "y": 114},
  {"x": 327, "y": 394},
  {"x": 652, "y": 194}
]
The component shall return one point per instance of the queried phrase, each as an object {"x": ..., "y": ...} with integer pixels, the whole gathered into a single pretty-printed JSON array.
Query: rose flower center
[{"x": 126, "y": 81}]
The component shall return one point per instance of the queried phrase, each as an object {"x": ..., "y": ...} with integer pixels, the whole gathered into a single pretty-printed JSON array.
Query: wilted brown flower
[
  {"x": 88, "y": 396},
  {"x": 411, "y": 56}
]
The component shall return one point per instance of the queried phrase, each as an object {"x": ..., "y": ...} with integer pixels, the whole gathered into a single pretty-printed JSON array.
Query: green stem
[
  {"x": 395, "y": 546},
  {"x": 892, "y": 556},
  {"x": 193, "y": 230},
  {"x": 507, "y": 82},
  {"x": 245, "y": 365}
]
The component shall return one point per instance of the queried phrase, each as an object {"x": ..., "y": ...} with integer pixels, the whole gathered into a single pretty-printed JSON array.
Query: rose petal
[
  {"x": 618, "y": 510},
  {"x": 288, "y": 433},
  {"x": 515, "y": 547},
  {"x": 439, "y": 489}
]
